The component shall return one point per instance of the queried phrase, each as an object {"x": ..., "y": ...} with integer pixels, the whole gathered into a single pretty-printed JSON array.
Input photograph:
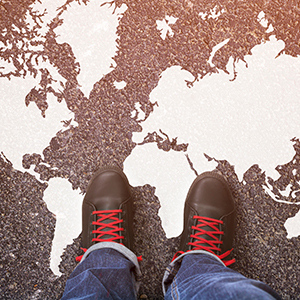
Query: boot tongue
[
  {"x": 215, "y": 226},
  {"x": 107, "y": 203},
  {"x": 114, "y": 217}
]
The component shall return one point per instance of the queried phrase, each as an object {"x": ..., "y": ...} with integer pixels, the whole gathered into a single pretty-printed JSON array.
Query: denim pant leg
[
  {"x": 106, "y": 271},
  {"x": 202, "y": 275}
]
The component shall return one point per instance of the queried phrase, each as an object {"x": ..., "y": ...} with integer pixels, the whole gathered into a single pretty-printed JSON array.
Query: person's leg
[
  {"x": 200, "y": 271},
  {"x": 204, "y": 276},
  {"x": 108, "y": 269},
  {"x": 105, "y": 274}
]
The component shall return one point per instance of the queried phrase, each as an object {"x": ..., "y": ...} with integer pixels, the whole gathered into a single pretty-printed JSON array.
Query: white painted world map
[{"x": 247, "y": 121}]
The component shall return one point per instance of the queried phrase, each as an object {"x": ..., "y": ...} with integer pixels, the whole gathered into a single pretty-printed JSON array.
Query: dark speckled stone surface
[{"x": 104, "y": 136}]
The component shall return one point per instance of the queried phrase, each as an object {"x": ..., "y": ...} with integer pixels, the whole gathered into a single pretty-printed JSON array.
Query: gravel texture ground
[{"x": 104, "y": 132}]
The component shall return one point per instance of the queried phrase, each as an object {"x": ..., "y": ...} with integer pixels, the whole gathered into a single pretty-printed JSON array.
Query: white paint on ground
[
  {"x": 215, "y": 49},
  {"x": 51, "y": 12},
  {"x": 66, "y": 204},
  {"x": 248, "y": 121},
  {"x": 164, "y": 27},
  {"x": 284, "y": 193},
  {"x": 91, "y": 32},
  {"x": 292, "y": 226},
  {"x": 138, "y": 113},
  {"x": 170, "y": 173},
  {"x": 262, "y": 20},
  {"x": 270, "y": 28},
  {"x": 212, "y": 14},
  {"x": 23, "y": 129},
  {"x": 120, "y": 84}
]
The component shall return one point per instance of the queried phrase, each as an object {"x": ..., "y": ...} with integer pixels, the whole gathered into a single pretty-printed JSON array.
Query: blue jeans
[{"x": 111, "y": 271}]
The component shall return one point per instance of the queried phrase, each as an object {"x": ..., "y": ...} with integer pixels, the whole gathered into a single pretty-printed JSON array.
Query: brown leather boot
[
  {"x": 107, "y": 209},
  {"x": 209, "y": 217}
]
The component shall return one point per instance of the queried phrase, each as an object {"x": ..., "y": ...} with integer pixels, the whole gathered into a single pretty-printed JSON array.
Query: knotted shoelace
[
  {"x": 204, "y": 244},
  {"x": 101, "y": 231}
]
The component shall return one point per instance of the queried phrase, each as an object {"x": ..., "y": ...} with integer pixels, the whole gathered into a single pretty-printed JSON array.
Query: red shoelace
[
  {"x": 113, "y": 225},
  {"x": 204, "y": 244},
  {"x": 101, "y": 230}
]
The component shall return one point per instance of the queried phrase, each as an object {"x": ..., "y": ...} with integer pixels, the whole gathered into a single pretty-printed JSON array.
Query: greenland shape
[{"x": 91, "y": 32}]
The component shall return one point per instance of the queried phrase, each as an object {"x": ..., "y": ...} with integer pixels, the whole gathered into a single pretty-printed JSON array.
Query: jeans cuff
[
  {"x": 174, "y": 266},
  {"x": 123, "y": 250}
]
